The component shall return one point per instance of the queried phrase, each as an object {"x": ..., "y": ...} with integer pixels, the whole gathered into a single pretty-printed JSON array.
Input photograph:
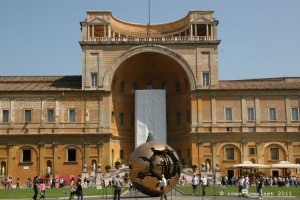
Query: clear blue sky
[{"x": 260, "y": 38}]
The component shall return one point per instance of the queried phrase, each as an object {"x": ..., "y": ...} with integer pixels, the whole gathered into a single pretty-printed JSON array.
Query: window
[
  {"x": 5, "y": 116},
  {"x": 71, "y": 155},
  {"x": 251, "y": 151},
  {"x": 27, "y": 115},
  {"x": 50, "y": 115},
  {"x": 94, "y": 79},
  {"x": 122, "y": 87},
  {"x": 133, "y": 88},
  {"x": 205, "y": 77},
  {"x": 273, "y": 129},
  {"x": 72, "y": 115},
  {"x": 177, "y": 86},
  {"x": 228, "y": 114},
  {"x": 250, "y": 113},
  {"x": 229, "y": 153},
  {"x": 112, "y": 117},
  {"x": 121, "y": 154},
  {"x": 251, "y": 129},
  {"x": 188, "y": 117},
  {"x": 295, "y": 114},
  {"x": 272, "y": 114},
  {"x": 229, "y": 129},
  {"x": 121, "y": 118},
  {"x": 149, "y": 86},
  {"x": 26, "y": 155},
  {"x": 274, "y": 153},
  {"x": 178, "y": 118},
  {"x": 164, "y": 86}
]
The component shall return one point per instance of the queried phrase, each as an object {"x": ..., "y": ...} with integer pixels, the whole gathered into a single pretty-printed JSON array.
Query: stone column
[
  {"x": 56, "y": 117},
  {"x": 257, "y": 114},
  {"x": 213, "y": 113},
  {"x": 199, "y": 111},
  {"x": 290, "y": 151},
  {"x": 42, "y": 169},
  {"x": 245, "y": 150},
  {"x": 56, "y": 153},
  {"x": 9, "y": 171},
  {"x": 86, "y": 146},
  {"x": 243, "y": 110},
  {"x": 287, "y": 111},
  {"x": 260, "y": 154}
]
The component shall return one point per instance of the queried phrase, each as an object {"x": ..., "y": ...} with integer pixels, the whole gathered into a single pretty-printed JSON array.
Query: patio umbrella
[
  {"x": 249, "y": 164},
  {"x": 285, "y": 165}
]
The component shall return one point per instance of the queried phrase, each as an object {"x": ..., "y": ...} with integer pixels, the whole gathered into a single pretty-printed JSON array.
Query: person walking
[
  {"x": 259, "y": 186},
  {"x": 118, "y": 183},
  {"x": 195, "y": 184},
  {"x": 72, "y": 189},
  {"x": 163, "y": 187},
  {"x": 42, "y": 189},
  {"x": 79, "y": 191},
  {"x": 35, "y": 187}
]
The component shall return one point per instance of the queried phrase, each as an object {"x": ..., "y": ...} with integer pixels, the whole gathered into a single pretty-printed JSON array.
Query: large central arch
[{"x": 108, "y": 76}]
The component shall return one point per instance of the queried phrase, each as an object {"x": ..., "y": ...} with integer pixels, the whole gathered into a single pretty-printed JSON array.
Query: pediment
[
  {"x": 98, "y": 20},
  {"x": 201, "y": 20}
]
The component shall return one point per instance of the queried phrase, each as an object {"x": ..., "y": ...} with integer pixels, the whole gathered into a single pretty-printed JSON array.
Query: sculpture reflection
[{"x": 148, "y": 162}]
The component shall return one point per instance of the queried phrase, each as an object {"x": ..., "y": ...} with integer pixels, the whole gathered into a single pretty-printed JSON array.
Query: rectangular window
[
  {"x": 274, "y": 153},
  {"x": 149, "y": 86},
  {"x": 188, "y": 117},
  {"x": 295, "y": 114},
  {"x": 228, "y": 114},
  {"x": 250, "y": 113},
  {"x": 178, "y": 118},
  {"x": 72, "y": 115},
  {"x": 179, "y": 153},
  {"x": 121, "y": 118},
  {"x": 121, "y": 154},
  {"x": 94, "y": 79},
  {"x": 112, "y": 117},
  {"x": 26, "y": 155},
  {"x": 229, "y": 129},
  {"x": 251, "y": 151},
  {"x": 71, "y": 155},
  {"x": 27, "y": 115},
  {"x": 50, "y": 115},
  {"x": 206, "y": 79},
  {"x": 273, "y": 129},
  {"x": 5, "y": 116},
  {"x": 272, "y": 114},
  {"x": 122, "y": 87},
  {"x": 177, "y": 86},
  {"x": 229, "y": 153},
  {"x": 251, "y": 129}
]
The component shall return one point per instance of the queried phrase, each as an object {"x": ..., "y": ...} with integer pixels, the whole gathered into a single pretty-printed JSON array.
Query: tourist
[
  {"x": 195, "y": 184},
  {"x": 118, "y": 183},
  {"x": 163, "y": 187},
  {"x": 42, "y": 189}
]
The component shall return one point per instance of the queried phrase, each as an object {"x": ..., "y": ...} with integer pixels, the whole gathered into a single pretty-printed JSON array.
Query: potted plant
[
  {"x": 126, "y": 177},
  {"x": 117, "y": 164},
  {"x": 107, "y": 168},
  {"x": 194, "y": 168}
]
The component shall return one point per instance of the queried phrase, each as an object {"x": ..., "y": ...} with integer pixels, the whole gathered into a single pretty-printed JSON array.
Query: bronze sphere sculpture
[{"x": 148, "y": 162}]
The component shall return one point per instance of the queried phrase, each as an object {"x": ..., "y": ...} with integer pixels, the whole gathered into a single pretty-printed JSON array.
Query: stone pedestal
[
  {"x": 203, "y": 173},
  {"x": 83, "y": 175},
  {"x": 217, "y": 177},
  {"x": 98, "y": 178}
]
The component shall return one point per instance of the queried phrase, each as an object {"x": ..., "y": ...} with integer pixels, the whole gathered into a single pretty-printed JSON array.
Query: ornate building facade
[{"x": 64, "y": 122}]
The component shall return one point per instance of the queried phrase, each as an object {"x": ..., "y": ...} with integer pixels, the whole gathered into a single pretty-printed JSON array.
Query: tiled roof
[
  {"x": 73, "y": 83},
  {"x": 259, "y": 84},
  {"x": 40, "y": 83}
]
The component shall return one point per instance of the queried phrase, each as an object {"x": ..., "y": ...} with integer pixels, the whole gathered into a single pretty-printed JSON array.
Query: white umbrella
[
  {"x": 249, "y": 164},
  {"x": 285, "y": 165}
]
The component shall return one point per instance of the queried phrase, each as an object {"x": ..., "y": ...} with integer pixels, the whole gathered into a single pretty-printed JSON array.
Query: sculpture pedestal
[
  {"x": 83, "y": 175},
  {"x": 98, "y": 180}
]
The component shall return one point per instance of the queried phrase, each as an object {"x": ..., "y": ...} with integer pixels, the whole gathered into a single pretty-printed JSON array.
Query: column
[
  {"x": 100, "y": 100},
  {"x": 10, "y": 169},
  {"x": 86, "y": 146},
  {"x": 191, "y": 31},
  {"x": 287, "y": 110},
  {"x": 88, "y": 32},
  {"x": 214, "y": 154},
  {"x": 43, "y": 112},
  {"x": 196, "y": 32},
  {"x": 109, "y": 31},
  {"x": 213, "y": 111},
  {"x": 199, "y": 111},
  {"x": 260, "y": 154},
  {"x": 245, "y": 150},
  {"x": 289, "y": 155},
  {"x": 206, "y": 31},
  {"x": 56, "y": 111},
  {"x": 56, "y": 153},
  {"x": 12, "y": 112},
  {"x": 87, "y": 113},
  {"x": 194, "y": 112},
  {"x": 243, "y": 110},
  {"x": 42, "y": 169},
  {"x": 104, "y": 27},
  {"x": 257, "y": 112}
]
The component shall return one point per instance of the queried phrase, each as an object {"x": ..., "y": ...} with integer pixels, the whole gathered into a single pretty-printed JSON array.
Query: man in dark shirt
[{"x": 35, "y": 187}]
